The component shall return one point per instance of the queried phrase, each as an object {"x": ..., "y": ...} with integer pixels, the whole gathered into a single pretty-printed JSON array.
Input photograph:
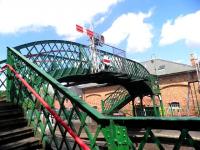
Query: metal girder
[
  {"x": 81, "y": 117},
  {"x": 117, "y": 137},
  {"x": 63, "y": 59},
  {"x": 70, "y": 52}
]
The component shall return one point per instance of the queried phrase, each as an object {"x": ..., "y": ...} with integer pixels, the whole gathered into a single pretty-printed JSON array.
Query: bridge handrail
[
  {"x": 45, "y": 104},
  {"x": 126, "y": 60},
  {"x": 120, "y": 120},
  {"x": 22, "y": 63},
  {"x": 83, "y": 105},
  {"x": 115, "y": 96}
]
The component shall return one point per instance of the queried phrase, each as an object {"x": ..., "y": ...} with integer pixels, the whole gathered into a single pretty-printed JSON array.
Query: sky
[{"x": 145, "y": 29}]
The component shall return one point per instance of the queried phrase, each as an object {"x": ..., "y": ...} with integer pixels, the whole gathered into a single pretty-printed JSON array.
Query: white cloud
[
  {"x": 62, "y": 15},
  {"x": 185, "y": 28},
  {"x": 131, "y": 27},
  {"x": 101, "y": 20}
]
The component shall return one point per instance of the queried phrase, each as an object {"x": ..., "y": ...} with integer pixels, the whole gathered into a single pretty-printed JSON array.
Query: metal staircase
[
  {"x": 14, "y": 132},
  {"x": 115, "y": 101},
  {"x": 83, "y": 124}
]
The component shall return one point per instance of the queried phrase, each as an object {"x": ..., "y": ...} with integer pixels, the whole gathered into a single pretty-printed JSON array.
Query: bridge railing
[
  {"x": 88, "y": 123},
  {"x": 45, "y": 105},
  {"x": 123, "y": 65},
  {"x": 133, "y": 70},
  {"x": 65, "y": 58},
  {"x": 51, "y": 55},
  {"x": 64, "y": 54},
  {"x": 113, "y": 99},
  {"x": 58, "y": 97},
  {"x": 3, "y": 81}
]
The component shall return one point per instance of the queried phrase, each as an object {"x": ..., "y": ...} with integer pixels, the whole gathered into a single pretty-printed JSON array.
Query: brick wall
[
  {"x": 95, "y": 95},
  {"x": 173, "y": 88}
]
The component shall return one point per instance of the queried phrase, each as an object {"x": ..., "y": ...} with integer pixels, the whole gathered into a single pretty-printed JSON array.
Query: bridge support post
[
  {"x": 156, "y": 111},
  {"x": 133, "y": 109},
  {"x": 152, "y": 136},
  {"x": 161, "y": 105},
  {"x": 102, "y": 106},
  {"x": 117, "y": 137},
  {"x": 9, "y": 82}
]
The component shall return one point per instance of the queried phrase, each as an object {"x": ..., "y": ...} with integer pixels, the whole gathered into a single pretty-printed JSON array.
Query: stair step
[
  {"x": 10, "y": 113},
  {"x": 12, "y": 123},
  {"x": 25, "y": 144},
  {"x": 121, "y": 75},
  {"x": 10, "y": 110},
  {"x": 16, "y": 134},
  {"x": 2, "y": 99},
  {"x": 6, "y": 105},
  {"x": 123, "y": 78}
]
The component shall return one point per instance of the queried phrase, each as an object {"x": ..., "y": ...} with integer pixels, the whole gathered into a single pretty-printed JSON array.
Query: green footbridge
[{"x": 50, "y": 66}]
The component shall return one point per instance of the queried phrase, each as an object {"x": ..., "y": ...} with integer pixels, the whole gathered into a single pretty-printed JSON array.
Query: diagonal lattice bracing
[
  {"x": 51, "y": 133},
  {"x": 64, "y": 54},
  {"x": 64, "y": 59},
  {"x": 113, "y": 100},
  {"x": 113, "y": 131}
]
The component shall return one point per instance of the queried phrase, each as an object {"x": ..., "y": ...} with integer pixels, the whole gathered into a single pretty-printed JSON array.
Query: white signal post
[{"x": 92, "y": 36}]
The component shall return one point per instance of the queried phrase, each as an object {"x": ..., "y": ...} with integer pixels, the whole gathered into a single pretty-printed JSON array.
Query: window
[{"x": 161, "y": 67}]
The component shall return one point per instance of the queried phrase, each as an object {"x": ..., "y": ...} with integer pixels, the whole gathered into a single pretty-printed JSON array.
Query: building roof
[
  {"x": 89, "y": 85},
  {"x": 165, "y": 67}
]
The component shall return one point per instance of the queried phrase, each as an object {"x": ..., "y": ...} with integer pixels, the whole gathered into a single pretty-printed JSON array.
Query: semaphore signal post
[{"x": 96, "y": 40}]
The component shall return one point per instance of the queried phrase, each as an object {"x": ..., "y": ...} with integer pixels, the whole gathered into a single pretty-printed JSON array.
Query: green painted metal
[
  {"x": 145, "y": 138},
  {"x": 63, "y": 59},
  {"x": 114, "y": 100},
  {"x": 9, "y": 77},
  {"x": 38, "y": 117},
  {"x": 117, "y": 137},
  {"x": 81, "y": 117},
  {"x": 73, "y": 56},
  {"x": 161, "y": 105},
  {"x": 185, "y": 137},
  {"x": 119, "y": 98},
  {"x": 157, "y": 113},
  {"x": 3, "y": 83}
]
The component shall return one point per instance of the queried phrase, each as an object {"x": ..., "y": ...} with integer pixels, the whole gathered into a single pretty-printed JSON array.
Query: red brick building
[{"x": 178, "y": 85}]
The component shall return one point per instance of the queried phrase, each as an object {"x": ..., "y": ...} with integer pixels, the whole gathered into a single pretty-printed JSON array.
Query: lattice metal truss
[
  {"x": 63, "y": 59},
  {"x": 64, "y": 55},
  {"x": 113, "y": 131}
]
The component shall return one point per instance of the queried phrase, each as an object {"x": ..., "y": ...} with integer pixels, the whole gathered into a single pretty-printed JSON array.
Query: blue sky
[{"x": 167, "y": 29}]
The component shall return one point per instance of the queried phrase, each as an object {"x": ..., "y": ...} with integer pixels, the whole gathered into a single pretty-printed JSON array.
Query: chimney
[{"x": 193, "y": 60}]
